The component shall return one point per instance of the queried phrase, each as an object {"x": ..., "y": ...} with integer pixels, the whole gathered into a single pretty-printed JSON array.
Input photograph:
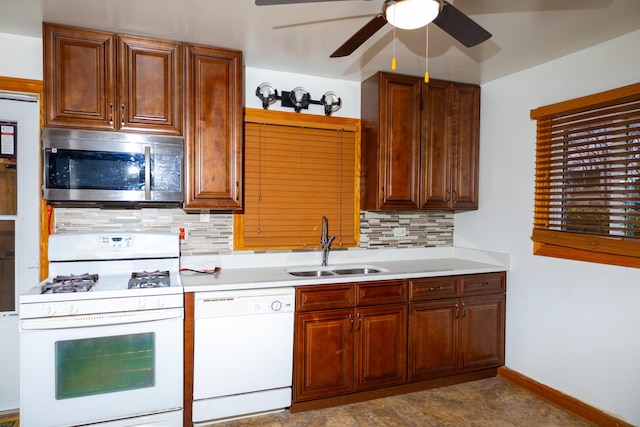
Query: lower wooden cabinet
[
  {"x": 323, "y": 355},
  {"x": 453, "y": 335},
  {"x": 360, "y": 337},
  {"x": 340, "y": 351}
]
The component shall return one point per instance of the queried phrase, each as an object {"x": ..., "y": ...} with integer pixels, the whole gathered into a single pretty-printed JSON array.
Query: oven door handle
[
  {"x": 106, "y": 319},
  {"x": 147, "y": 173}
]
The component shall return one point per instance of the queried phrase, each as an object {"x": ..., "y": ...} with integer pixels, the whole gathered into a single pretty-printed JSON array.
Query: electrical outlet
[{"x": 399, "y": 232}]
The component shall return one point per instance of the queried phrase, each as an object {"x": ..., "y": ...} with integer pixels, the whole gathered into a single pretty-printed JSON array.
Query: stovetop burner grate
[
  {"x": 149, "y": 279},
  {"x": 70, "y": 283}
]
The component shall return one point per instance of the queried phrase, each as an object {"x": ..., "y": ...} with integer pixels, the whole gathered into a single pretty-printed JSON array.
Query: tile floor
[{"x": 493, "y": 402}]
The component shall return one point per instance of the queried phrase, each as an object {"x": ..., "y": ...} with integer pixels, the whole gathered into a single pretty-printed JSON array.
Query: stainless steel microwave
[{"x": 111, "y": 168}]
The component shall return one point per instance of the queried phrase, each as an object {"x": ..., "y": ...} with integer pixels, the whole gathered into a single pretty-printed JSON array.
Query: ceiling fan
[{"x": 440, "y": 12}]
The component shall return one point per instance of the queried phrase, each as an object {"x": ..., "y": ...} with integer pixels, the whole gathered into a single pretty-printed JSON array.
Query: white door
[{"x": 19, "y": 227}]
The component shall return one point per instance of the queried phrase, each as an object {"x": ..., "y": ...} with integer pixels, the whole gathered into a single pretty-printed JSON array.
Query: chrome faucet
[{"x": 325, "y": 241}]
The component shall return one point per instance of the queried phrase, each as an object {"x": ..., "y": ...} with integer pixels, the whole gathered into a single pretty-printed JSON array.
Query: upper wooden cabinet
[
  {"x": 420, "y": 143},
  {"x": 213, "y": 131},
  {"x": 103, "y": 81},
  {"x": 391, "y": 120}
]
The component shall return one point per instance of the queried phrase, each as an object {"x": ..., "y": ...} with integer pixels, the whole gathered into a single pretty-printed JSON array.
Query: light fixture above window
[
  {"x": 331, "y": 102},
  {"x": 410, "y": 14},
  {"x": 298, "y": 99},
  {"x": 267, "y": 94}
]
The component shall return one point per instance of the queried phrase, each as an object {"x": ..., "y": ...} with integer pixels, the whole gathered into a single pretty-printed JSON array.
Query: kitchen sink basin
[
  {"x": 358, "y": 270},
  {"x": 311, "y": 273},
  {"x": 347, "y": 270}
]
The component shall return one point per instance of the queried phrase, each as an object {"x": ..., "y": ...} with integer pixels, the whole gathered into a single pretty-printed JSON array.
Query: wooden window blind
[
  {"x": 298, "y": 168},
  {"x": 587, "y": 183}
]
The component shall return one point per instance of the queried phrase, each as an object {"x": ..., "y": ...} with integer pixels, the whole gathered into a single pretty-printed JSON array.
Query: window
[
  {"x": 298, "y": 168},
  {"x": 587, "y": 188}
]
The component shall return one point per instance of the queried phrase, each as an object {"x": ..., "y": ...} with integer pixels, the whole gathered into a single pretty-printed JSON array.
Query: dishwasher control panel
[{"x": 244, "y": 302}]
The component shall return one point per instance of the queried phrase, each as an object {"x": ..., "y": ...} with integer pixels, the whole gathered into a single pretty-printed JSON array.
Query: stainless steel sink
[
  {"x": 346, "y": 270},
  {"x": 357, "y": 270},
  {"x": 311, "y": 273}
]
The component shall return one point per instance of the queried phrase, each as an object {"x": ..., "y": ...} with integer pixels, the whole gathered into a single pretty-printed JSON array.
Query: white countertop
[{"x": 254, "y": 271}]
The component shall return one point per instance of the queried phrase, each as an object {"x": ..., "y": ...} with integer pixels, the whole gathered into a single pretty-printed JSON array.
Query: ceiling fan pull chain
[
  {"x": 426, "y": 57},
  {"x": 393, "y": 61}
]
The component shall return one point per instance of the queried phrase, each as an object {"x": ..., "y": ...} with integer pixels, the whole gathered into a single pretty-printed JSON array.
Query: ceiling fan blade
[
  {"x": 360, "y": 37},
  {"x": 273, "y": 2},
  {"x": 460, "y": 26}
]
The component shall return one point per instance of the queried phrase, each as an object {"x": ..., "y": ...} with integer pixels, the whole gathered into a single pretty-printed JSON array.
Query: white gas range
[{"x": 101, "y": 338}]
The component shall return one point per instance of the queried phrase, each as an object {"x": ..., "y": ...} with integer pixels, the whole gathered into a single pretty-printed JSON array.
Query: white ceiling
[{"x": 299, "y": 38}]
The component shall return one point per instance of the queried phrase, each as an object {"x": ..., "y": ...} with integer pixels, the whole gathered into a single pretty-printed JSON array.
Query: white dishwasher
[{"x": 243, "y": 353}]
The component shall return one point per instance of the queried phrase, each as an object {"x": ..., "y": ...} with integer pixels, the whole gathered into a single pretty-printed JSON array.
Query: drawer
[
  {"x": 380, "y": 293},
  {"x": 483, "y": 283},
  {"x": 324, "y": 297},
  {"x": 429, "y": 288}
]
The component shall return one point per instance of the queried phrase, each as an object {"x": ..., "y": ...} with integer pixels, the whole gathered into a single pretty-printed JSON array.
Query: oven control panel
[{"x": 116, "y": 241}]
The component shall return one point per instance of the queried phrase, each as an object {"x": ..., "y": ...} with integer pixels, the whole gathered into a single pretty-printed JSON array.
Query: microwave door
[
  {"x": 147, "y": 173},
  {"x": 95, "y": 176}
]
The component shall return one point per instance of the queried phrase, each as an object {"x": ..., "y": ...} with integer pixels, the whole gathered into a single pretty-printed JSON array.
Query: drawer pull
[{"x": 440, "y": 288}]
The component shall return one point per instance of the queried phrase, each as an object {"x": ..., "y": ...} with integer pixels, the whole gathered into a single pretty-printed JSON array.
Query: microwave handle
[{"x": 147, "y": 173}]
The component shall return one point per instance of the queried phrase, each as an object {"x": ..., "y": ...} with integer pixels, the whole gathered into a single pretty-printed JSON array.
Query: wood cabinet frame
[
  {"x": 99, "y": 80},
  {"x": 420, "y": 144}
]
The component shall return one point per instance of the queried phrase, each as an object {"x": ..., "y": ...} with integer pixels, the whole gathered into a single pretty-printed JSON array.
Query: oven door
[{"x": 95, "y": 370}]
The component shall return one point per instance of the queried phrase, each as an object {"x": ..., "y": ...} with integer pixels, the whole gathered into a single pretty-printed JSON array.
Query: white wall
[
  {"x": 570, "y": 325},
  {"x": 21, "y": 56}
]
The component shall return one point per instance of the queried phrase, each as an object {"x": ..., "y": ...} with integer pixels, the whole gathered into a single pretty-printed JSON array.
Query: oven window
[{"x": 86, "y": 367}]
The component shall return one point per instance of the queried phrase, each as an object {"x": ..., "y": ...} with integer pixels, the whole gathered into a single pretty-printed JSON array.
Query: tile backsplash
[{"x": 212, "y": 233}]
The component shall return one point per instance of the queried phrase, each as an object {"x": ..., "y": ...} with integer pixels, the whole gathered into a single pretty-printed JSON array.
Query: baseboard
[{"x": 562, "y": 400}]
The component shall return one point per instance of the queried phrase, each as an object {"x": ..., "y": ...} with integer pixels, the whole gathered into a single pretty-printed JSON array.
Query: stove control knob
[
  {"x": 160, "y": 302},
  {"x": 72, "y": 309},
  {"x": 50, "y": 310},
  {"x": 141, "y": 304},
  {"x": 276, "y": 306}
]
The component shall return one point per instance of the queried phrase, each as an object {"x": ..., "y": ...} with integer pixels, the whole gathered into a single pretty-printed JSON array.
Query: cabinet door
[
  {"x": 323, "y": 354},
  {"x": 79, "y": 78},
  {"x": 482, "y": 332},
  {"x": 433, "y": 339},
  {"x": 381, "y": 346},
  {"x": 436, "y": 191},
  {"x": 391, "y": 141},
  {"x": 213, "y": 138},
  {"x": 466, "y": 145},
  {"x": 149, "y": 85}
]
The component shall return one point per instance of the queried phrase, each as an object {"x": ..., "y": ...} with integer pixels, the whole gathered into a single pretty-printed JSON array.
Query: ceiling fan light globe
[{"x": 410, "y": 14}]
